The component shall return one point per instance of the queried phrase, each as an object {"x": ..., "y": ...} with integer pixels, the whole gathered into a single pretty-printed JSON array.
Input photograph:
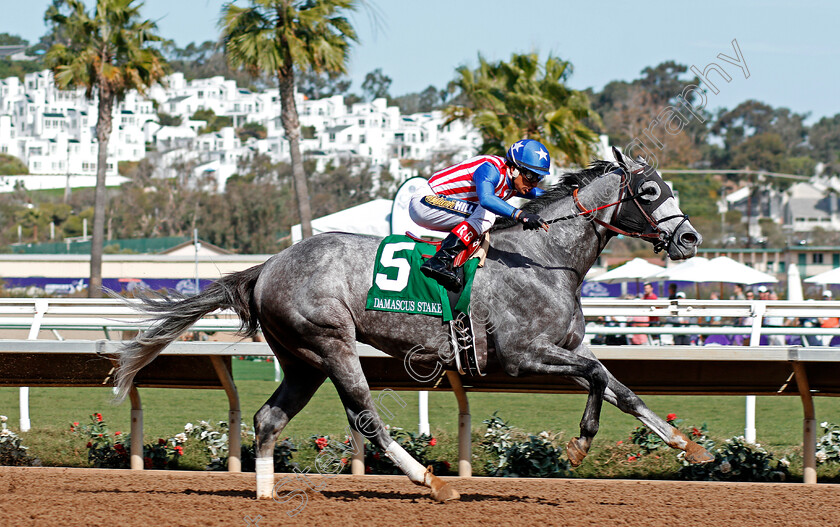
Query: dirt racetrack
[{"x": 69, "y": 497}]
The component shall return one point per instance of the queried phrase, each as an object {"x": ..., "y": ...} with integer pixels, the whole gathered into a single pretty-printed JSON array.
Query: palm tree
[
  {"x": 107, "y": 53},
  {"x": 522, "y": 98},
  {"x": 277, "y": 36}
]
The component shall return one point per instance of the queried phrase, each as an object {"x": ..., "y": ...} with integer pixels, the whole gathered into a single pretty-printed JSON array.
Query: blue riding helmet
[{"x": 531, "y": 157}]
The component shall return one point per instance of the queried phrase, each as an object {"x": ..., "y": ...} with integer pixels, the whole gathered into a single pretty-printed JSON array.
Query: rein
[{"x": 584, "y": 211}]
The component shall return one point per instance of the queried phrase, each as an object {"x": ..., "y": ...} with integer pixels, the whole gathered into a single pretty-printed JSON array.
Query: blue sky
[{"x": 790, "y": 47}]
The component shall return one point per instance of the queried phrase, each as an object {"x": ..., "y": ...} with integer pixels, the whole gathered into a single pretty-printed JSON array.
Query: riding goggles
[{"x": 530, "y": 177}]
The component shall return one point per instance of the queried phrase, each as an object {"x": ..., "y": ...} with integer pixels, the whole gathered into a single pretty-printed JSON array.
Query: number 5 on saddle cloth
[{"x": 399, "y": 286}]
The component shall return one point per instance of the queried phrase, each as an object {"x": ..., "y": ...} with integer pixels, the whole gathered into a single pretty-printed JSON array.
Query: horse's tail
[{"x": 173, "y": 316}]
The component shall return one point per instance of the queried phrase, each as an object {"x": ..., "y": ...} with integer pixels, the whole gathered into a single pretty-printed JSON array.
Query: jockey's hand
[{"x": 532, "y": 221}]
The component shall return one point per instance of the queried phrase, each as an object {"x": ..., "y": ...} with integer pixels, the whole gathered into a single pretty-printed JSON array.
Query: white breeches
[{"x": 439, "y": 213}]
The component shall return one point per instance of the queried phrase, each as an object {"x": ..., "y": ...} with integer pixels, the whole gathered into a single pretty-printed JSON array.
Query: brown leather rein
[{"x": 585, "y": 212}]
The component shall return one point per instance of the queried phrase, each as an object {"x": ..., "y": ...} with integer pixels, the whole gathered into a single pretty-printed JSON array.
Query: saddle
[{"x": 467, "y": 339}]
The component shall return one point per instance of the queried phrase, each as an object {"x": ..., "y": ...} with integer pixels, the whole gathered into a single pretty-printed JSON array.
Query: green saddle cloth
[{"x": 399, "y": 286}]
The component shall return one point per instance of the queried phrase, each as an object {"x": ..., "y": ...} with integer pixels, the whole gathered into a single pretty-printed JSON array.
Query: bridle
[{"x": 660, "y": 238}]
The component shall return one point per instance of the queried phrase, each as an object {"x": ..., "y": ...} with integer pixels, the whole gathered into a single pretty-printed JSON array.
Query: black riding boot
[{"x": 441, "y": 268}]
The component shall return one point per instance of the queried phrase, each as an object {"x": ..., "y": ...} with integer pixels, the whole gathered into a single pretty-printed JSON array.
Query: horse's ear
[{"x": 620, "y": 159}]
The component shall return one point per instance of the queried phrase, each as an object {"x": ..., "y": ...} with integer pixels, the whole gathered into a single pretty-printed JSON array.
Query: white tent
[
  {"x": 373, "y": 217},
  {"x": 635, "y": 269},
  {"x": 828, "y": 277}
]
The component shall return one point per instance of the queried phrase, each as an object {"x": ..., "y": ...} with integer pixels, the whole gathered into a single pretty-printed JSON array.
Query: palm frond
[{"x": 526, "y": 98}]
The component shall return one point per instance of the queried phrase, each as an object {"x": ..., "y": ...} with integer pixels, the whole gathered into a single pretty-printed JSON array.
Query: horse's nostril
[{"x": 688, "y": 238}]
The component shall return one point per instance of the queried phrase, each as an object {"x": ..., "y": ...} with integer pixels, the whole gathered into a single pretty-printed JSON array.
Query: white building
[{"x": 54, "y": 131}]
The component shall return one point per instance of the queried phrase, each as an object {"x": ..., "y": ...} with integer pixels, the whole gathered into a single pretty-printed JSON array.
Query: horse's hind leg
[
  {"x": 346, "y": 373},
  {"x": 300, "y": 382},
  {"x": 628, "y": 402}
]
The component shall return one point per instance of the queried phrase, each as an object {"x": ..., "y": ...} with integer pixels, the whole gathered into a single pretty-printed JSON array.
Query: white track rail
[{"x": 109, "y": 315}]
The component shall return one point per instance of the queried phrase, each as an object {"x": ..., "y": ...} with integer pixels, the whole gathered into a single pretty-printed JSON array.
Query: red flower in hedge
[
  {"x": 179, "y": 450},
  {"x": 376, "y": 456},
  {"x": 100, "y": 435},
  {"x": 89, "y": 445},
  {"x": 368, "y": 470},
  {"x": 161, "y": 441},
  {"x": 321, "y": 443},
  {"x": 98, "y": 417},
  {"x": 117, "y": 433},
  {"x": 147, "y": 462},
  {"x": 432, "y": 441},
  {"x": 343, "y": 461},
  {"x": 670, "y": 417},
  {"x": 696, "y": 432},
  {"x": 632, "y": 458},
  {"x": 620, "y": 443},
  {"x": 119, "y": 448}
]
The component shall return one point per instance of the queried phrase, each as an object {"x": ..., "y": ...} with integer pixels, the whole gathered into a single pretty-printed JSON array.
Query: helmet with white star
[{"x": 531, "y": 158}]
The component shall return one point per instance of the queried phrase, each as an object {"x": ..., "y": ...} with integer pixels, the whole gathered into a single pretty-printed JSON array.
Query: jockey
[{"x": 470, "y": 195}]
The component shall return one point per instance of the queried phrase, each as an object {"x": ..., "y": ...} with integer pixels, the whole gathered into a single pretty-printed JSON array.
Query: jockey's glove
[{"x": 531, "y": 221}]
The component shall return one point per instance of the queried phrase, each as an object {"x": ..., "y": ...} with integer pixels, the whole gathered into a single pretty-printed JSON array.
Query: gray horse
[{"x": 309, "y": 302}]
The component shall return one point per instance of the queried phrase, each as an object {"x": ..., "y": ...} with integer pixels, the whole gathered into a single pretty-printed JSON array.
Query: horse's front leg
[
  {"x": 628, "y": 402},
  {"x": 545, "y": 358}
]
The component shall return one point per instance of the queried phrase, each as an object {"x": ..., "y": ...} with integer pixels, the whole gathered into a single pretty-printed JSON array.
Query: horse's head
[{"x": 652, "y": 212}]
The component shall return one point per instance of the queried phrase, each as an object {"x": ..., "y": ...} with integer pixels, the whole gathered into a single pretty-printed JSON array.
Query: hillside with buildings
[
  {"x": 189, "y": 137},
  {"x": 53, "y": 131}
]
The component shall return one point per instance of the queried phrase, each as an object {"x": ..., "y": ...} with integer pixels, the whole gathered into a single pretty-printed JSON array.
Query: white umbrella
[
  {"x": 828, "y": 277},
  {"x": 725, "y": 269},
  {"x": 720, "y": 269},
  {"x": 682, "y": 272},
  {"x": 635, "y": 269}
]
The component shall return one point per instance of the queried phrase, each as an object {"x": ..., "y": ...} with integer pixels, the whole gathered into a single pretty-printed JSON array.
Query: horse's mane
[{"x": 563, "y": 188}]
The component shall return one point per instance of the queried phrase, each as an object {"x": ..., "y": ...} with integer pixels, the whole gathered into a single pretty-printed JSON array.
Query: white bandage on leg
[
  {"x": 265, "y": 476},
  {"x": 414, "y": 470}
]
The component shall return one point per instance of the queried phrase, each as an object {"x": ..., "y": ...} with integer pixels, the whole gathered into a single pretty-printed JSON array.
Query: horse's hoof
[
  {"x": 443, "y": 491},
  {"x": 575, "y": 453},
  {"x": 696, "y": 454}
]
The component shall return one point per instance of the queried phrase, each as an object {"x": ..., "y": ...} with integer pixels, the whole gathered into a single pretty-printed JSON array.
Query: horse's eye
[{"x": 649, "y": 191}]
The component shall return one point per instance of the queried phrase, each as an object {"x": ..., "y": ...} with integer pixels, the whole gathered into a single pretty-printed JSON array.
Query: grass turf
[{"x": 778, "y": 419}]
